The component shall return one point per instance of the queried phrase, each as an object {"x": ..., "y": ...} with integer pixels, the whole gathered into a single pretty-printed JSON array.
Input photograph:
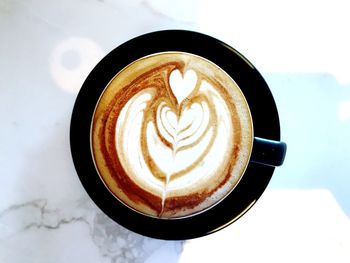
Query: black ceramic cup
[{"x": 267, "y": 151}]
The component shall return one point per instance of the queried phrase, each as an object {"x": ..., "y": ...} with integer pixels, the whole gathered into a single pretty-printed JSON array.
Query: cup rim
[
  {"x": 251, "y": 127},
  {"x": 263, "y": 114}
]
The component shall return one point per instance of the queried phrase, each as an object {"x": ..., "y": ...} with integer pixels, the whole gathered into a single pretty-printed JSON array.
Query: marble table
[{"x": 47, "y": 48}]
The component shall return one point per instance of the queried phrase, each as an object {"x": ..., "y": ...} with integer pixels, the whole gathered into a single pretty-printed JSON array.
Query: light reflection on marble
[
  {"x": 274, "y": 231},
  {"x": 72, "y": 60},
  {"x": 47, "y": 48}
]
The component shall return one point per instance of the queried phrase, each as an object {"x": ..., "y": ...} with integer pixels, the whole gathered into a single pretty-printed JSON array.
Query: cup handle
[{"x": 268, "y": 152}]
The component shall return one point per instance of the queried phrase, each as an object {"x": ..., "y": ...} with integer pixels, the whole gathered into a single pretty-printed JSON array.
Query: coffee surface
[{"x": 171, "y": 135}]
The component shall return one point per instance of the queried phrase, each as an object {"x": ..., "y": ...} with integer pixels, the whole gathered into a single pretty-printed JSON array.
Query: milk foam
[
  {"x": 128, "y": 135},
  {"x": 190, "y": 135}
]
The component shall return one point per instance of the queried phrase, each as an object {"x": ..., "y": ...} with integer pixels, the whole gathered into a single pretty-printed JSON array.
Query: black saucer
[{"x": 265, "y": 121}]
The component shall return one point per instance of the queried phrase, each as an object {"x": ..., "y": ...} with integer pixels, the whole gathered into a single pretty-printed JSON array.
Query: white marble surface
[{"x": 47, "y": 48}]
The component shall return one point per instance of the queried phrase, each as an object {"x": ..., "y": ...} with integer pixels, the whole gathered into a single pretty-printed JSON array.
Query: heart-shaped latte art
[
  {"x": 182, "y": 86},
  {"x": 179, "y": 132}
]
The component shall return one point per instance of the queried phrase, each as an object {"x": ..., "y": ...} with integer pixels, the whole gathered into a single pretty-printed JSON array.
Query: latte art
[{"x": 171, "y": 135}]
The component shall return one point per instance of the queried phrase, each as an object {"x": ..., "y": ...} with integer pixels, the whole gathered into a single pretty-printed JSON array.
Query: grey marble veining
[{"x": 113, "y": 242}]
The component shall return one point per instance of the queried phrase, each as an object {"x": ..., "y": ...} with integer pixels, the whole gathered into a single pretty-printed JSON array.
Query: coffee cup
[{"x": 173, "y": 129}]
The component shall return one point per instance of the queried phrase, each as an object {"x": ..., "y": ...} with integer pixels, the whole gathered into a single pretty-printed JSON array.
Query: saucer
[{"x": 265, "y": 120}]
